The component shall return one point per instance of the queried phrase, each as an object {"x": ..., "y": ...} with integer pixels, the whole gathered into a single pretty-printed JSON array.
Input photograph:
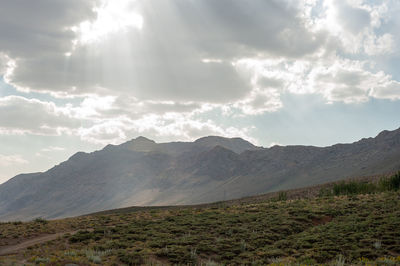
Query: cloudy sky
[{"x": 79, "y": 74}]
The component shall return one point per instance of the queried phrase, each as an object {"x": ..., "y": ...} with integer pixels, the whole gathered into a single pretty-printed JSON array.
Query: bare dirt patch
[
  {"x": 321, "y": 220},
  {"x": 13, "y": 249}
]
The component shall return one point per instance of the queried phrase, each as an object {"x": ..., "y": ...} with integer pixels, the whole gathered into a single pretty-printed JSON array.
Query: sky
[{"x": 77, "y": 75}]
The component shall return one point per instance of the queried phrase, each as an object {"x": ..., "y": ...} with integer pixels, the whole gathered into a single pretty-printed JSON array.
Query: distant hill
[{"x": 142, "y": 172}]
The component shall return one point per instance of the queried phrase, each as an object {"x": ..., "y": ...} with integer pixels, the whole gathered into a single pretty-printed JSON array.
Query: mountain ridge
[{"x": 143, "y": 172}]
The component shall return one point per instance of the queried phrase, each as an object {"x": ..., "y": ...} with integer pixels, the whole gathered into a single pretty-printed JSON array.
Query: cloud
[
  {"x": 3, "y": 63},
  {"x": 11, "y": 164},
  {"x": 196, "y": 63},
  {"x": 107, "y": 120},
  {"x": 243, "y": 29},
  {"x": 349, "y": 81},
  {"x": 45, "y": 152},
  {"x": 112, "y": 16},
  {"x": 353, "y": 19},
  {"x": 52, "y": 148},
  {"x": 270, "y": 82},
  {"x": 95, "y": 72},
  {"x": 34, "y": 29},
  {"x": 19, "y": 115},
  {"x": 163, "y": 128},
  {"x": 143, "y": 73},
  {"x": 108, "y": 107},
  {"x": 388, "y": 90},
  {"x": 357, "y": 26},
  {"x": 379, "y": 45},
  {"x": 260, "y": 101},
  {"x": 11, "y": 160},
  {"x": 152, "y": 65}
]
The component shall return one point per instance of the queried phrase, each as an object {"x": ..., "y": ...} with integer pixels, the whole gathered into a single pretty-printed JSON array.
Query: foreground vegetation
[
  {"x": 391, "y": 183},
  {"x": 346, "y": 224}
]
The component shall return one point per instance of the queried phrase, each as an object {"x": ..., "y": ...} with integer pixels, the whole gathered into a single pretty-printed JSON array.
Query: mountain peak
[
  {"x": 140, "y": 144},
  {"x": 385, "y": 134},
  {"x": 206, "y": 138},
  {"x": 216, "y": 138},
  {"x": 143, "y": 139},
  {"x": 238, "y": 145}
]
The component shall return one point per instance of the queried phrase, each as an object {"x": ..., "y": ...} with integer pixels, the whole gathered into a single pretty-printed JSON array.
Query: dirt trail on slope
[{"x": 13, "y": 249}]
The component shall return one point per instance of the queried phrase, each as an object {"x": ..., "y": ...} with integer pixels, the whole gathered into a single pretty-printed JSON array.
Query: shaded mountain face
[{"x": 143, "y": 172}]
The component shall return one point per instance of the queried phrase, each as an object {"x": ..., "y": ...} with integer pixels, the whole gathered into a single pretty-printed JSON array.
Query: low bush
[
  {"x": 130, "y": 258},
  {"x": 353, "y": 188},
  {"x": 282, "y": 196},
  {"x": 81, "y": 236},
  {"x": 40, "y": 220},
  {"x": 391, "y": 183}
]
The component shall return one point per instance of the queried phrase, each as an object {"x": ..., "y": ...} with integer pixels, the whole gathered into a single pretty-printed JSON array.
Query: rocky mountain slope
[{"x": 142, "y": 172}]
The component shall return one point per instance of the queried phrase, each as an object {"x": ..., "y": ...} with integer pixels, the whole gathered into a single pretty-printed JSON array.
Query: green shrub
[
  {"x": 130, "y": 258},
  {"x": 282, "y": 196},
  {"x": 40, "y": 220},
  {"x": 41, "y": 260},
  {"x": 353, "y": 188},
  {"x": 360, "y": 187},
  {"x": 81, "y": 236},
  {"x": 391, "y": 183},
  {"x": 325, "y": 192}
]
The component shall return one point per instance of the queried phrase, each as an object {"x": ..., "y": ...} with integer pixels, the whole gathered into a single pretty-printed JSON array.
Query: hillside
[
  {"x": 355, "y": 226},
  {"x": 142, "y": 172}
]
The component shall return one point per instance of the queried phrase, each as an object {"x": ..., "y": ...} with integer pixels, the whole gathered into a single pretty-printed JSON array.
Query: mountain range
[{"x": 142, "y": 172}]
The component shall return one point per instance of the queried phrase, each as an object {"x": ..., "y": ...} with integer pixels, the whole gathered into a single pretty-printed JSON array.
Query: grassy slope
[{"x": 313, "y": 230}]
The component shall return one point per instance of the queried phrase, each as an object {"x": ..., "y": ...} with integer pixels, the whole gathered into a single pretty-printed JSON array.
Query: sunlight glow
[
  {"x": 112, "y": 16},
  {"x": 211, "y": 60}
]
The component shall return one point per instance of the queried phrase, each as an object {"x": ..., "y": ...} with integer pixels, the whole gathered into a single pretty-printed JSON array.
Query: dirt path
[{"x": 13, "y": 249}]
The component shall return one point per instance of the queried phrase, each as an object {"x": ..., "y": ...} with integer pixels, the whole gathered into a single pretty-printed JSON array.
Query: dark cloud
[
  {"x": 33, "y": 28},
  {"x": 184, "y": 52},
  {"x": 233, "y": 29},
  {"x": 164, "y": 60}
]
